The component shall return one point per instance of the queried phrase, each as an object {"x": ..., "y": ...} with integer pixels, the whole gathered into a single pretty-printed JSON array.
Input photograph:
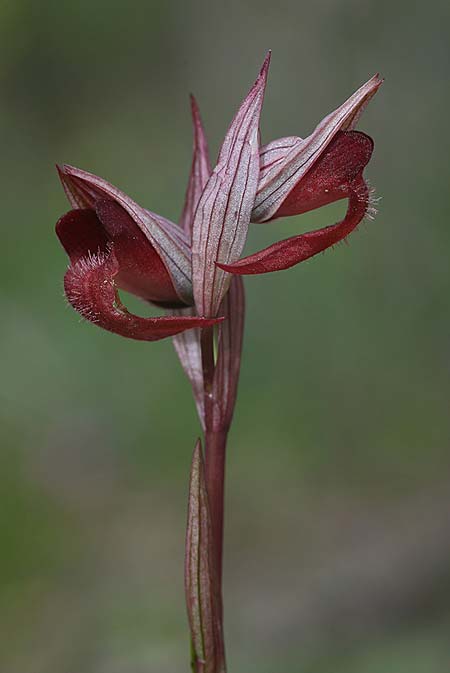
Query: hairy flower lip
[
  {"x": 292, "y": 251},
  {"x": 90, "y": 288}
]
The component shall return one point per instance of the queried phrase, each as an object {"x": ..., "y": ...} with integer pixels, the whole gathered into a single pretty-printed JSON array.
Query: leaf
[
  {"x": 202, "y": 597},
  {"x": 223, "y": 213}
]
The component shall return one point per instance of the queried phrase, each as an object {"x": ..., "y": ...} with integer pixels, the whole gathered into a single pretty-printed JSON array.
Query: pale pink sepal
[{"x": 223, "y": 213}]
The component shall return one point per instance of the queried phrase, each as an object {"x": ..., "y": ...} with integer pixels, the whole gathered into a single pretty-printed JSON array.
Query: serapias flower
[
  {"x": 298, "y": 175},
  {"x": 113, "y": 243}
]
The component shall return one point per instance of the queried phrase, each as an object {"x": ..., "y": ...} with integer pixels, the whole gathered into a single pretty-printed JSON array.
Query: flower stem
[
  {"x": 215, "y": 449},
  {"x": 215, "y": 481}
]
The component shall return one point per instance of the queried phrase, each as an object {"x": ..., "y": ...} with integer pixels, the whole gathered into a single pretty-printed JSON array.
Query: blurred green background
[{"x": 338, "y": 506}]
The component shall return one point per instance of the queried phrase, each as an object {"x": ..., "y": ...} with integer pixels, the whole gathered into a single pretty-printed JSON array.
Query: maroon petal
[
  {"x": 293, "y": 161},
  {"x": 223, "y": 213},
  {"x": 81, "y": 233},
  {"x": 329, "y": 179},
  {"x": 293, "y": 250},
  {"x": 200, "y": 171},
  {"x": 90, "y": 288}
]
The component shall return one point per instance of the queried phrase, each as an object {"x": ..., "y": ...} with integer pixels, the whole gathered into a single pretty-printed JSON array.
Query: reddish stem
[
  {"x": 215, "y": 449},
  {"x": 215, "y": 481}
]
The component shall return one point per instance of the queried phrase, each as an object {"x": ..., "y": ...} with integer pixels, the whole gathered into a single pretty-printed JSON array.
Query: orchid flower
[
  {"x": 192, "y": 270},
  {"x": 298, "y": 175},
  {"x": 112, "y": 242}
]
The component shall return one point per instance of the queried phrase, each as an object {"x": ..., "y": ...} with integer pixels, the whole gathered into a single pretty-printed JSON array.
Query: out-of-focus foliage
[{"x": 337, "y": 523}]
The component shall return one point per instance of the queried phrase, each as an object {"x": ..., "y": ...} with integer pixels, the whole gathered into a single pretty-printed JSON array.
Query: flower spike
[
  {"x": 193, "y": 271},
  {"x": 223, "y": 212}
]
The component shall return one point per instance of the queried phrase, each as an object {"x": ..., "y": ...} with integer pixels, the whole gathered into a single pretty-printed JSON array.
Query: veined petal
[
  {"x": 200, "y": 171},
  {"x": 280, "y": 178},
  {"x": 85, "y": 189},
  {"x": 273, "y": 154},
  {"x": 90, "y": 288},
  {"x": 223, "y": 212}
]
